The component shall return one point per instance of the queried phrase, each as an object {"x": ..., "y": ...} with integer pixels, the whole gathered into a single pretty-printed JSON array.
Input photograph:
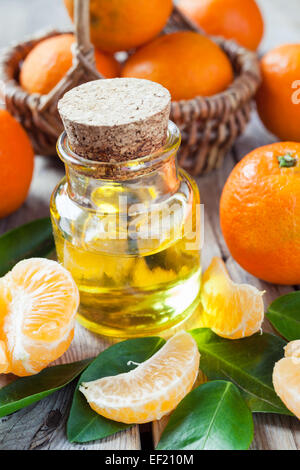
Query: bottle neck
[
  {"x": 97, "y": 193},
  {"x": 103, "y": 185}
]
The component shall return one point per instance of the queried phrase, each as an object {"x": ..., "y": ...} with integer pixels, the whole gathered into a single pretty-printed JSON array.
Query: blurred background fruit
[
  {"x": 278, "y": 101},
  {"x": 233, "y": 19},
  {"x": 16, "y": 164},
  {"x": 119, "y": 25},
  {"x": 186, "y": 63},
  {"x": 260, "y": 213},
  {"x": 48, "y": 62}
]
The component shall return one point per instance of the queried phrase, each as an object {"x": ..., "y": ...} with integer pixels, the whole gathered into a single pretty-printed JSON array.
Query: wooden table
[{"x": 42, "y": 425}]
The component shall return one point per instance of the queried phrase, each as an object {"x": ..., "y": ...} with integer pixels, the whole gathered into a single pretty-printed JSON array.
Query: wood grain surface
[{"x": 42, "y": 425}]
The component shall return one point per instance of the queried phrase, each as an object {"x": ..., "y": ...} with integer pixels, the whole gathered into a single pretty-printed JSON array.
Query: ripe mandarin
[{"x": 187, "y": 63}]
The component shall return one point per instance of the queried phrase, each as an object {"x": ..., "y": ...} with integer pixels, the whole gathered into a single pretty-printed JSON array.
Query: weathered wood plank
[{"x": 42, "y": 426}]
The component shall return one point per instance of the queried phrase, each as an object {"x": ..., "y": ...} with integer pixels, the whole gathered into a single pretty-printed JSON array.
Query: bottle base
[{"x": 187, "y": 320}]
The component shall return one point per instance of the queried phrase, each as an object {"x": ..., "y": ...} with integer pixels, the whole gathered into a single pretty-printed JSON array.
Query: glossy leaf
[
  {"x": 34, "y": 239},
  {"x": 284, "y": 314},
  {"x": 27, "y": 390},
  {"x": 214, "y": 416},
  {"x": 248, "y": 363},
  {"x": 86, "y": 425}
]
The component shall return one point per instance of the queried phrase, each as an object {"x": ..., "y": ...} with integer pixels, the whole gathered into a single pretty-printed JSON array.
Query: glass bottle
[{"x": 131, "y": 240}]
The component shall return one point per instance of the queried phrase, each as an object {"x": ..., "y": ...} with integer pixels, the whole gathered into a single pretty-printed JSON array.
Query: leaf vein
[{"x": 215, "y": 414}]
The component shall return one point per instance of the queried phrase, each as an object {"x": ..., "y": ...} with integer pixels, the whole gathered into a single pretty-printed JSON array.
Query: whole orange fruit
[
  {"x": 119, "y": 25},
  {"x": 48, "y": 62},
  {"x": 186, "y": 63},
  {"x": 16, "y": 164},
  {"x": 278, "y": 99},
  {"x": 240, "y": 20},
  {"x": 260, "y": 213}
]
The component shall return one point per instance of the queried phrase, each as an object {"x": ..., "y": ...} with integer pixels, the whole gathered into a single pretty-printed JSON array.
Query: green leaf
[
  {"x": 284, "y": 314},
  {"x": 34, "y": 239},
  {"x": 27, "y": 390},
  {"x": 86, "y": 425},
  {"x": 248, "y": 363},
  {"x": 214, "y": 416}
]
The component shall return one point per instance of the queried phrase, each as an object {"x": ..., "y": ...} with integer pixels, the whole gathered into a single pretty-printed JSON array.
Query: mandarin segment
[
  {"x": 4, "y": 364},
  {"x": 231, "y": 310},
  {"x": 286, "y": 377},
  {"x": 40, "y": 300},
  {"x": 47, "y": 292},
  {"x": 150, "y": 391},
  {"x": 292, "y": 349}
]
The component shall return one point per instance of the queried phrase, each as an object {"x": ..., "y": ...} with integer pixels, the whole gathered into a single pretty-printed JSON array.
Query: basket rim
[{"x": 248, "y": 77}]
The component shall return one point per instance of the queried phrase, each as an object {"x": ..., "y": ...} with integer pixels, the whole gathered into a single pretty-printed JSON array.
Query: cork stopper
[{"x": 116, "y": 120}]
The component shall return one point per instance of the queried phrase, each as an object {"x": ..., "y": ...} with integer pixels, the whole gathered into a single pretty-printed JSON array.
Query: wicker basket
[{"x": 209, "y": 125}]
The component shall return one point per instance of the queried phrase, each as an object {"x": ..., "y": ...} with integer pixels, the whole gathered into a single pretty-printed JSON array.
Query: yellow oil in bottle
[
  {"x": 126, "y": 296},
  {"x": 130, "y": 286}
]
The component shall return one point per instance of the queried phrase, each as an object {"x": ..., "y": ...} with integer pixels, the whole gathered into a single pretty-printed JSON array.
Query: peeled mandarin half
[
  {"x": 231, "y": 310},
  {"x": 38, "y": 303},
  {"x": 150, "y": 391},
  {"x": 292, "y": 349},
  {"x": 286, "y": 377},
  {"x": 3, "y": 358}
]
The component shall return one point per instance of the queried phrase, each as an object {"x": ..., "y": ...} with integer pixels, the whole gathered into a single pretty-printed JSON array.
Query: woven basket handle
[
  {"x": 84, "y": 68},
  {"x": 82, "y": 24},
  {"x": 84, "y": 50}
]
